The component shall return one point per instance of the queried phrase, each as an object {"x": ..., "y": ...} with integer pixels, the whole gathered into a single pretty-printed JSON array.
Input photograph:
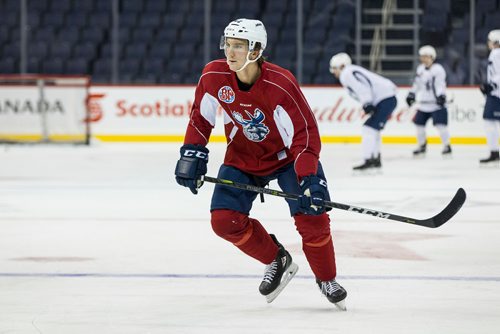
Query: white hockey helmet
[
  {"x": 251, "y": 30},
  {"x": 494, "y": 36},
  {"x": 427, "y": 50},
  {"x": 338, "y": 60}
]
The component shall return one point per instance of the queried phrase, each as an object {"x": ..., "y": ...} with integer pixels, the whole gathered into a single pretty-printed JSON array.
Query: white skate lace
[
  {"x": 329, "y": 288},
  {"x": 270, "y": 271}
]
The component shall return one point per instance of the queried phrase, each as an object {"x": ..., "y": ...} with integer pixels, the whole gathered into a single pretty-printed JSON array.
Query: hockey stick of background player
[{"x": 446, "y": 214}]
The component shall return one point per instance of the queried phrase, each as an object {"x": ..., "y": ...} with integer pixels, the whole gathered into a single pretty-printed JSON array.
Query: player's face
[
  {"x": 426, "y": 60},
  {"x": 336, "y": 71},
  {"x": 236, "y": 51},
  {"x": 492, "y": 45}
]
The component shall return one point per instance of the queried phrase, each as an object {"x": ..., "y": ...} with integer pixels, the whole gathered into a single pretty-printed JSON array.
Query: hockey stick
[
  {"x": 434, "y": 102},
  {"x": 446, "y": 214}
]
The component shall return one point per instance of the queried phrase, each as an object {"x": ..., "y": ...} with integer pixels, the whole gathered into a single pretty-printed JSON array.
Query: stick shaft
[{"x": 449, "y": 211}]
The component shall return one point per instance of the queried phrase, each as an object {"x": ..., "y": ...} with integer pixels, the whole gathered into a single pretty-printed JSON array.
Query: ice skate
[
  {"x": 369, "y": 166},
  {"x": 364, "y": 166},
  {"x": 335, "y": 293},
  {"x": 493, "y": 160},
  {"x": 420, "y": 151},
  {"x": 446, "y": 152},
  {"x": 376, "y": 162},
  {"x": 278, "y": 273}
]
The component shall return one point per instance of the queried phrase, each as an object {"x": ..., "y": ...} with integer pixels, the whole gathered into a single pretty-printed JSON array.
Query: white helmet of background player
[
  {"x": 339, "y": 60},
  {"x": 427, "y": 50},
  {"x": 251, "y": 30},
  {"x": 494, "y": 36}
]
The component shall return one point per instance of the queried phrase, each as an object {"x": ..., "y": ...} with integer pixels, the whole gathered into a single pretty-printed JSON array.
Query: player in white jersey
[
  {"x": 377, "y": 96},
  {"x": 429, "y": 92},
  {"x": 491, "y": 88}
]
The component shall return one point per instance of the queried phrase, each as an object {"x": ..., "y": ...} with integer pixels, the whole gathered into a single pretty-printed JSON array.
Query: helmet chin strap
[{"x": 248, "y": 61}]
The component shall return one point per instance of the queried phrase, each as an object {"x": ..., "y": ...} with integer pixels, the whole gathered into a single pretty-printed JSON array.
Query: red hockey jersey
[{"x": 266, "y": 127}]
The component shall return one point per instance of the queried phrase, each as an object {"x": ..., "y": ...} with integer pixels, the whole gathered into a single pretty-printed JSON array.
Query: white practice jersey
[
  {"x": 429, "y": 83},
  {"x": 493, "y": 75},
  {"x": 365, "y": 86}
]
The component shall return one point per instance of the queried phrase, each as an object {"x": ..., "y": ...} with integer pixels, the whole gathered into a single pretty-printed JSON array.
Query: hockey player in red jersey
[{"x": 271, "y": 134}]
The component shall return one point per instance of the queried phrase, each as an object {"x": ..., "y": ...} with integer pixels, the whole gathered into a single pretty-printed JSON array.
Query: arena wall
[{"x": 160, "y": 113}]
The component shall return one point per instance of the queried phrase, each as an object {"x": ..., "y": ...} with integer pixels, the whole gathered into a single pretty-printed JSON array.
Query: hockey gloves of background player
[
  {"x": 410, "y": 99},
  {"x": 314, "y": 190},
  {"x": 441, "y": 100},
  {"x": 369, "y": 108},
  {"x": 191, "y": 166},
  {"x": 486, "y": 88}
]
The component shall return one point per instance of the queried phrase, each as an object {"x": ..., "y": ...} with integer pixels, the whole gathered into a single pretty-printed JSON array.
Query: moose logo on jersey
[
  {"x": 253, "y": 128},
  {"x": 226, "y": 94}
]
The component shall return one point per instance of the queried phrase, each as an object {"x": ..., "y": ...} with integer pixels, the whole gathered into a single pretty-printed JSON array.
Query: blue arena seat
[
  {"x": 138, "y": 49},
  {"x": 100, "y": 19},
  {"x": 166, "y": 35},
  {"x": 154, "y": 65},
  {"x": 37, "y": 5},
  {"x": 33, "y": 65},
  {"x": 155, "y": 6},
  {"x": 45, "y": 34},
  {"x": 150, "y": 20},
  {"x": 69, "y": 34},
  {"x": 61, "y": 49},
  {"x": 132, "y": 6},
  {"x": 77, "y": 66},
  {"x": 160, "y": 50},
  {"x": 4, "y": 34},
  {"x": 93, "y": 34},
  {"x": 54, "y": 65},
  {"x": 87, "y": 50},
  {"x": 83, "y": 6},
  {"x": 128, "y": 19},
  {"x": 38, "y": 49},
  {"x": 146, "y": 78},
  {"x": 102, "y": 67},
  {"x": 76, "y": 19},
  {"x": 8, "y": 65},
  {"x": 141, "y": 34},
  {"x": 129, "y": 66},
  {"x": 53, "y": 19}
]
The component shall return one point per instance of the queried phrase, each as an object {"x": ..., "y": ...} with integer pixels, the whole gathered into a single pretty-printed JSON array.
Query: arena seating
[{"x": 161, "y": 41}]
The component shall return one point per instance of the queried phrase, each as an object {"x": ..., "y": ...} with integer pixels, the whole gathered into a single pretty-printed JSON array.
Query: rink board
[
  {"x": 160, "y": 113},
  {"x": 125, "y": 113}
]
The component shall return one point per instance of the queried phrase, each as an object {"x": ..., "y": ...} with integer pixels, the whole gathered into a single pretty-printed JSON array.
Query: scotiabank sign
[{"x": 164, "y": 110}]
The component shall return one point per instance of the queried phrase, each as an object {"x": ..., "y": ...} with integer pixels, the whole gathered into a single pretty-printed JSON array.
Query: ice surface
[{"x": 101, "y": 239}]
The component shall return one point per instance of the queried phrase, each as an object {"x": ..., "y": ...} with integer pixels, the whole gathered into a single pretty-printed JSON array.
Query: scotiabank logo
[
  {"x": 162, "y": 108},
  {"x": 95, "y": 107}
]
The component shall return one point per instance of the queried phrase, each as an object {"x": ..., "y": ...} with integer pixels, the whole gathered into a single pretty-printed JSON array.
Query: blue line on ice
[{"x": 244, "y": 276}]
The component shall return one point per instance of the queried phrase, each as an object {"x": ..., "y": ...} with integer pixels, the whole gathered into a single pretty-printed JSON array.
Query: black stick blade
[{"x": 451, "y": 209}]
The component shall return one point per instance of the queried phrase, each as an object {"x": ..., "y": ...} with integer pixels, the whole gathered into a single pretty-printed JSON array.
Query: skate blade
[
  {"x": 367, "y": 172},
  {"x": 341, "y": 305},
  {"x": 491, "y": 164},
  {"x": 287, "y": 277},
  {"x": 419, "y": 156},
  {"x": 447, "y": 156}
]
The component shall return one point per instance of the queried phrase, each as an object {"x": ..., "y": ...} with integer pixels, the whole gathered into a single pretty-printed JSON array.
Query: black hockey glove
[
  {"x": 441, "y": 100},
  {"x": 191, "y": 166},
  {"x": 369, "y": 108},
  {"x": 315, "y": 192},
  {"x": 486, "y": 88},
  {"x": 410, "y": 99}
]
